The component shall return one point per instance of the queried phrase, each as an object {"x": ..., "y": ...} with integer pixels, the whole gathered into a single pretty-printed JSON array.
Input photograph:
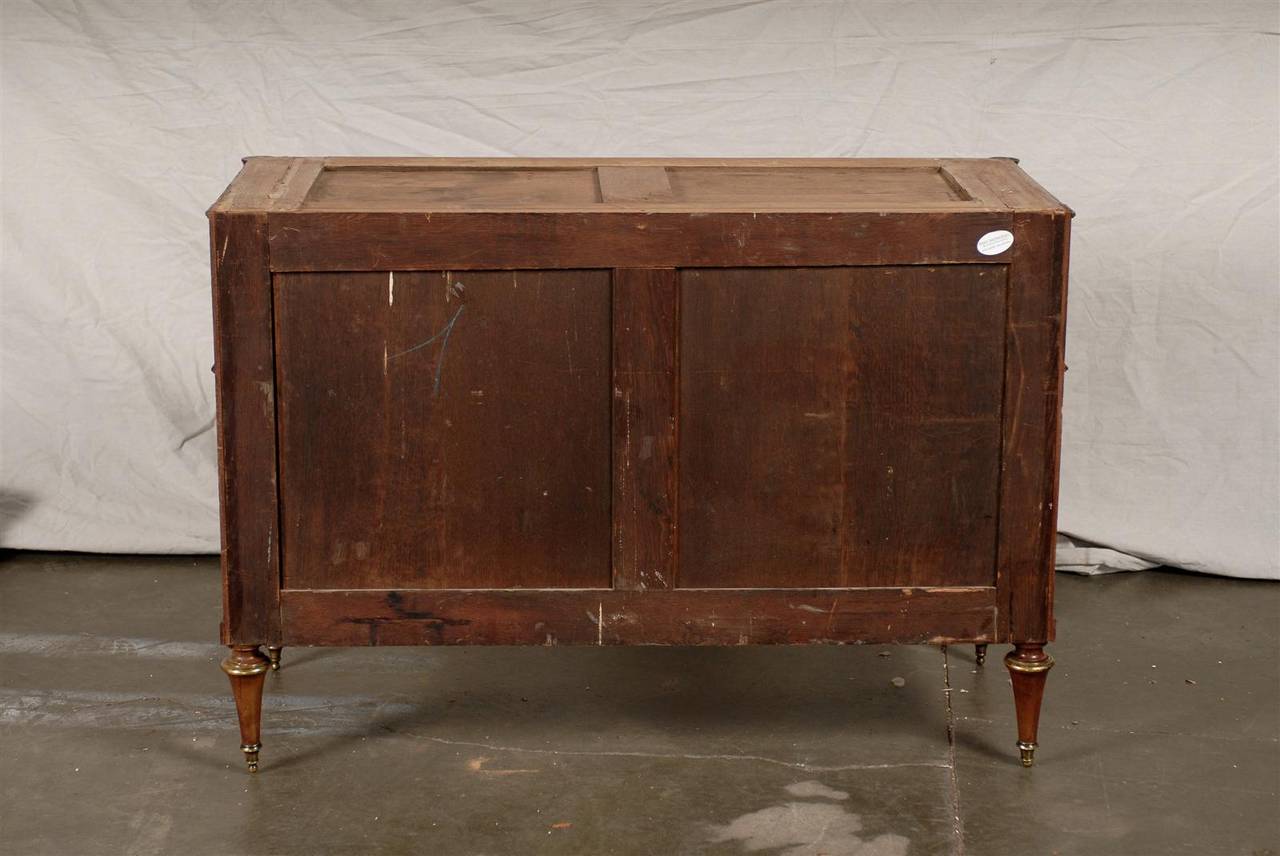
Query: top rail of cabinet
[{"x": 659, "y": 185}]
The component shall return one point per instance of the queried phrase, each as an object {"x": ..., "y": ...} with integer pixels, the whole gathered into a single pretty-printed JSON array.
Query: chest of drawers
[{"x": 637, "y": 402}]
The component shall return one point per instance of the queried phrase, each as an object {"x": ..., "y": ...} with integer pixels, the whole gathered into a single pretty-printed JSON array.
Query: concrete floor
[{"x": 1159, "y": 736}]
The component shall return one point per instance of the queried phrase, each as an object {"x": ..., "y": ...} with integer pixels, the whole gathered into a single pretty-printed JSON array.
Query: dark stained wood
[
  {"x": 644, "y": 428},
  {"x": 244, "y": 363},
  {"x": 318, "y": 241},
  {"x": 653, "y": 617},
  {"x": 922, "y": 447},
  {"x": 1032, "y": 416},
  {"x": 444, "y": 430},
  {"x": 638, "y": 401},
  {"x": 840, "y": 426}
]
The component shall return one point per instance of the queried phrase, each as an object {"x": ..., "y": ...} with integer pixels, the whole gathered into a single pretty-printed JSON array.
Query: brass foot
[
  {"x": 1028, "y": 753},
  {"x": 250, "y": 751},
  {"x": 980, "y": 653},
  {"x": 273, "y": 654}
]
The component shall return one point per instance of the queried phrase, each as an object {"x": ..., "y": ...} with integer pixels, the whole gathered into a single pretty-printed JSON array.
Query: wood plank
[
  {"x": 922, "y": 431},
  {"x": 297, "y": 184},
  {"x": 436, "y": 188},
  {"x": 633, "y": 184},
  {"x": 305, "y": 241},
  {"x": 333, "y": 162},
  {"x": 644, "y": 428},
  {"x": 445, "y": 431},
  {"x": 840, "y": 426},
  {"x": 1002, "y": 179},
  {"x": 655, "y": 617},
  {"x": 245, "y": 379},
  {"x": 763, "y": 395},
  {"x": 250, "y": 191},
  {"x": 1032, "y": 421},
  {"x": 703, "y": 185},
  {"x": 830, "y": 188}
]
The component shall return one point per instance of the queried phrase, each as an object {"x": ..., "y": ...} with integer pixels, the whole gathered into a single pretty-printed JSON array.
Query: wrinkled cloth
[{"x": 1156, "y": 121}]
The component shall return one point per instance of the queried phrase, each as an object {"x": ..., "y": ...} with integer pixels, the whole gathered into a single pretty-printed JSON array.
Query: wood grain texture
[
  {"x": 443, "y": 188},
  {"x": 634, "y": 184},
  {"x": 654, "y": 617},
  {"x": 835, "y": 188},
  {"x": 885, "y": 314},
  {"x": 1002, "y": 180},
  {"x": 316, "y": 241},
  {"x": 1032, "y": 420},
  {"x": 251, "y": 190},
  {"x": 644, "y": 428},
  {"x": 444, "y": 430},
  {"x": 682, "y": 184},
  {"x": 245, "y": 379},
  {"x": 839, "y": 426},
  {"x": 1028, "y": 667}
]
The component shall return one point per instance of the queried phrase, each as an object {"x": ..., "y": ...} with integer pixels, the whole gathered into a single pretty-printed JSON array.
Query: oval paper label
[{"x": 995, "y": 243}]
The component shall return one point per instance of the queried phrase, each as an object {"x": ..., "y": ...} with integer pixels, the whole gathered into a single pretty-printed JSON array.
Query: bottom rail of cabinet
[{"x": 623, "y": 617}]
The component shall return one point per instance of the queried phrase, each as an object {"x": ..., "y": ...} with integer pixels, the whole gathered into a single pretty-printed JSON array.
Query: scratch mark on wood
[
  {"x": 443, "y": 337},
  {"x": 600, "y": 624},
  {"x": 391, "y": 288},
  {"x": 268, "y": 390}
]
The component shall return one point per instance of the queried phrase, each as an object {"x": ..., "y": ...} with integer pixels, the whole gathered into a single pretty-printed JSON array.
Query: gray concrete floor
[{"x": 1159, "y": 735}]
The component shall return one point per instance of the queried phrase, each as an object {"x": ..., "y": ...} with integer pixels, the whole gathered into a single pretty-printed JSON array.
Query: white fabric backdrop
[{"x": 1156, "y": 121}]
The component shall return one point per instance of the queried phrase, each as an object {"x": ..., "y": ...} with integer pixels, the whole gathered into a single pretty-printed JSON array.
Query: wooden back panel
[
  {"x": 840, "y": 426},
  {"x": 444, "y": 431},
  {"x": 640, "y": 258}
]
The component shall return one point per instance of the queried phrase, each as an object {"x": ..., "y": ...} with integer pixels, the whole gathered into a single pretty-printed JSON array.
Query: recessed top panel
[
  {"x": 833, "y": 186},
  {"x": 448, "y": 189},
  {"x": 658, "y": 185},
  {"x": 498, "y": 188}
]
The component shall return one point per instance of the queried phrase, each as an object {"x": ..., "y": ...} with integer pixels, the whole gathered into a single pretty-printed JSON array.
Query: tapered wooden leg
[
  {"x": 247, "y": 669},
  {"x": 1028, "y": 666},
  {"x": 980, "y": 653},
  {"x": 273, "y": 654}
]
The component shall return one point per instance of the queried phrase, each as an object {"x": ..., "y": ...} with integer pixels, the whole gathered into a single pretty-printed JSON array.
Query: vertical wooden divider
[{"x": 645, "y": 334}]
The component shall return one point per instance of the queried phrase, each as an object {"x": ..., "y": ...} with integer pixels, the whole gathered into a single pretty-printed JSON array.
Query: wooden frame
[{"x": 272, "y": 221}]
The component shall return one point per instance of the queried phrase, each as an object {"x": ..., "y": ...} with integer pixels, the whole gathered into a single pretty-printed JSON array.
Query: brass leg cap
[
  {"x": 980, "y": 654},
  {"x": 273, "y": 654},
  {"x": 250, "y": 751},
  {"x": 1028, "y": 753}
]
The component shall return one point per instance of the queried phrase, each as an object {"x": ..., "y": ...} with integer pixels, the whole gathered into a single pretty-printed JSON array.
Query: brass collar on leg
[
  {"x": 1028, "y": 667},
  {"x": 238, "y": 666}
]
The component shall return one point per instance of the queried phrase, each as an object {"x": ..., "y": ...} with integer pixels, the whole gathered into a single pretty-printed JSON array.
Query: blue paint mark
[{"x": 443, "y": 338}]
